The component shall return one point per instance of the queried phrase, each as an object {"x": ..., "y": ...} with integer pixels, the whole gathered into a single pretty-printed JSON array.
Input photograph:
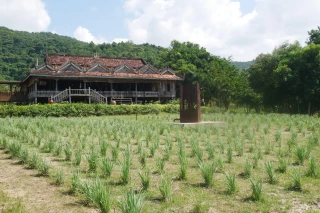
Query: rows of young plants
[{"x": 251, "y": 163}]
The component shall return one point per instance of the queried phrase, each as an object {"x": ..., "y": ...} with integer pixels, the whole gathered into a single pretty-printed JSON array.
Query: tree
[{"x": 314, "y": 36}]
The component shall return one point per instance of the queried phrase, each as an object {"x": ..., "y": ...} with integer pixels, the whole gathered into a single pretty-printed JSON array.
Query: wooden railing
[
  {"x": 98, "y": 97},
  {"x": 105, "y": 94}
]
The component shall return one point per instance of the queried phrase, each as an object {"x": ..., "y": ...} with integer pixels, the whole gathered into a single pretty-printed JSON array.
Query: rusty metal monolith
[{"x": 190, "y": 103}]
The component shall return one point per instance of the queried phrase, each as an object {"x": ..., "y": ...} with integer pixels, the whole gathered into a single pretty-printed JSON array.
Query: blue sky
[{"x": 238, "y": 28}]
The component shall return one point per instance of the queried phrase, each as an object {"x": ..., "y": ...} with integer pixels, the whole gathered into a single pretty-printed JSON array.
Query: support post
[
  {"x": 89, "y": 96},
  {"x": 136, "y": 89},
  {"x": 111, "y": 87},
  {"x": 36, "y": 89},
  {"x": 69, "y": 95},
  {"x": 56, "y": 85},
  {"x": 10, "y": 89},
  {"x": 159, "y": 92},
  {"x": 84, "y": 85}
]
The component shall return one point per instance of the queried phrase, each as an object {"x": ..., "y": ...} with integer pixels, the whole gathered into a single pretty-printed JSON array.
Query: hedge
[{"x": 80, "y": 110}]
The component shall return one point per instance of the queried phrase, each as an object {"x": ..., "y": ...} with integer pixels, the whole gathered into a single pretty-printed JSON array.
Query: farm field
[{"x": 265, "y": 163}]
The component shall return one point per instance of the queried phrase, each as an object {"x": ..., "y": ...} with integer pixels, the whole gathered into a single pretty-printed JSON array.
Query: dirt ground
[{"x": 37, "y": 194}]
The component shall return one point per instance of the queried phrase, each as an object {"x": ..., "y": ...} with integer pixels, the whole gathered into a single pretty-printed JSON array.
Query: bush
[{"x": 81, "y": 109}]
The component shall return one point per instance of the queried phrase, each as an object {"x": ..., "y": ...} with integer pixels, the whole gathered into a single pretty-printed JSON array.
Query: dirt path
[{"x": 37, "y": 194}]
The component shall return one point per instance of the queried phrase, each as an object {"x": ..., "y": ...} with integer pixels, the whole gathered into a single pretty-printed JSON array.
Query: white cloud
[
  {"x": 83, "y": 34},
  {"x": 119, "y": 40},
  {"x": 24, "y": 15},
  {"x": 220, "y": 26}
]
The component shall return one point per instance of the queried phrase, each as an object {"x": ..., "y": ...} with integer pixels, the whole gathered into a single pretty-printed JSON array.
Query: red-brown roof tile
[{"x": 58, "y": 60}]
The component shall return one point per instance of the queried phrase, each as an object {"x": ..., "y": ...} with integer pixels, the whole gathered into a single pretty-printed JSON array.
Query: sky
[{"x": 239, "y": 28}]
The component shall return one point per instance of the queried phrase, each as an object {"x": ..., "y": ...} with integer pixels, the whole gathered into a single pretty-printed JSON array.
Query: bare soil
[{"x": 37, "y": 194}]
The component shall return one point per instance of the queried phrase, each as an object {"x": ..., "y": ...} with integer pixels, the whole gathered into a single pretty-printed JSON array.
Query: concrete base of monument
[{"x": 201, "y": 123}]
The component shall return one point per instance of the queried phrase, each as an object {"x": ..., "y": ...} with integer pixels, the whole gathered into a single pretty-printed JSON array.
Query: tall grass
[
  {"x": 256, "y": 188},
  {"x": 92, "y": 159},
  {"x": 97, "y": 194},
  {"x": 145, "y": 179},
  {"x": 296, "y": 180},
  {"x": 165, "y": 188},
  {"x": 106, "y": 166},
  {"x": 313, "y": 170},
  {"x": 273, "y": 179},
  {"x": 131, "y": 203},
  {"x": 231, "y": 183},
  {"x": 207, "y": 171},
  {"x": 125, "y": 169}
]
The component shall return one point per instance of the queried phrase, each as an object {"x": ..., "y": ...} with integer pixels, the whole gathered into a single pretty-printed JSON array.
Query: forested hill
[
  {"x": 19, "y": 50},
  {"x": 241, "y": 65}
]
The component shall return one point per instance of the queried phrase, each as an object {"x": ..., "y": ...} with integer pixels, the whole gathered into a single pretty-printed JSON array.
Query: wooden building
[{"x": 98, "y": 79}]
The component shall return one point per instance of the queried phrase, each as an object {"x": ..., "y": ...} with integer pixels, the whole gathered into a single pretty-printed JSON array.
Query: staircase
[
  {"x": 60, "y": 96},
  {"x": 95, "y": 96},
  {"x": 67, "y": 93}
]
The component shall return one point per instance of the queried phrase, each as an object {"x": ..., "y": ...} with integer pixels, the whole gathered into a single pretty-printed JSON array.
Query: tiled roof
[
  {"x": 58, "y": 60},
  {"x": 105, "y": 75},
  {"x": 83, "y": 66}
]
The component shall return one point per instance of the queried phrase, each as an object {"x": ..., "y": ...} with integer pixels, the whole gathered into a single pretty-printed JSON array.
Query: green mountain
[
  {"x": 19, "y": 50},
  {"x": 241, "y": 65}
]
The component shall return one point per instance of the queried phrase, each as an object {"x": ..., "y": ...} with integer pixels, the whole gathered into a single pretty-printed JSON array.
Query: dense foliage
[
  {"x": 19, "y": 50},
  {"x": 288, "y": 79},
  {"x": 242, "y": 65}
]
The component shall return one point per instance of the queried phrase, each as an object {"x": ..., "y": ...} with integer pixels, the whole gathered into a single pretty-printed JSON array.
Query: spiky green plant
[
  {"x": 125, "y": 169},
  {"x": 160, "y": 164},
  {"x": 58, "y": 149},
  {"x": 51, "y": 145},
  {"x": 115, "y": 153},
  {"x": 78, "y": 157},
  {"x": 103, "y": 148},
  {"x": 211, "y": 151},
  {"x": 229, "y": 154},
  {"x": 256, "y": 187},
  {"x": 14, "y": 149},
  {"x": 145, "y": 179},
  {"x": 24, "y": 156},
  {"x": 273, "y": 179},
  {"x": 33, "y": 162},
  {"x": 75, "y": 182},
  {"x": 43, "y": 167},
  {"x": 183, "y": 164},
  {"x": 301, "y": 154},
  {"x": 106, "y": 166},
  {"x": 92, "y": 159},
  {"x": 131, "y": 203},
  {"x": 296, "y": 180},
  {"x": 312, "y": 169},
  {"x": 68, "y": 152},
  {"x": 59, "y": 177},
  {"x": 207, "y": 171},
  {"x": 283, "y": 164},
  {"x": 231, "y": 183},
  {"x": 165, "y": 188},
  {"x": 247, "y": 169}
]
